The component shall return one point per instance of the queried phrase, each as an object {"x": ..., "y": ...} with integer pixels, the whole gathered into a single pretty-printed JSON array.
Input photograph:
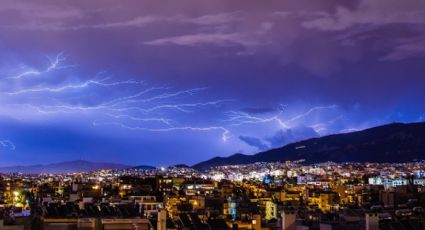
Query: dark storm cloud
[
  {"x": 365, "y": 57},
  {"x": 284, "y": 137},
  {"x": 255, "y": 142}
]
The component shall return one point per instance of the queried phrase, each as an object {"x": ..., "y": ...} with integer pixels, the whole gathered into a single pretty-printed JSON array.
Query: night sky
[{"x": 167, "y": 82}]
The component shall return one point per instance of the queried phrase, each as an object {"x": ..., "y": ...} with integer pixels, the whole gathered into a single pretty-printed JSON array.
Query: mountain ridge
[{"x": 377, "y": 144}]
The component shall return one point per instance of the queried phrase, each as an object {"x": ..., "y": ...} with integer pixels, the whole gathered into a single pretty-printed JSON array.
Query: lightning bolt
[
  {"x": 179, "y": 107},
  {"x": 240, "y": 118},
  {"x": 161, "y": 120},
  {"x": 323, "y": 127},
  {"x": 77, "y": 86},
  {"x": 7, "y": 144},
  {"x": 145, "y": 107},
  {"x": 123, "y": 100},
  {"x": 55, "y": 64},
  {"x": 114, "y": 106},
  {"x": 310, "y": 111},
  {"x": 224, "y": 135},
  {"x": 161, "y": 96}
]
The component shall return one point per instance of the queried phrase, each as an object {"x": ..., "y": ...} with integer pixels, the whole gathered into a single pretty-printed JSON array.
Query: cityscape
[
  {"x": 284, "y": 195},
  {"x": 212, "y": 115}
]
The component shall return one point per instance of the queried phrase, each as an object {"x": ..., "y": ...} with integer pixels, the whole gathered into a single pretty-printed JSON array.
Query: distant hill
[
  {"x": 144, "y": 167},
  {"x": 63, "y": 167},
  {"x": 394, "y": 142}
]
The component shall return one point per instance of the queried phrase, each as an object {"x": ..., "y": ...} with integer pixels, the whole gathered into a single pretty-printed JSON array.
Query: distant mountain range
[
  {"x": 396, "y": 142},
  {"x": 64, "y": 167}
]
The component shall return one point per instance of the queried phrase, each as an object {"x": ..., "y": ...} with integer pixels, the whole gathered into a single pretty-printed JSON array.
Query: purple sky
[{"x": 167, "y": 82}]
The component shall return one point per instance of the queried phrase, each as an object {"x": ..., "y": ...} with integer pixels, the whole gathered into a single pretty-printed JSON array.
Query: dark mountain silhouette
[
  {"x": 63, "y": 167},
  {"x": 144, "y": 167},
  {"x": 396, "y": 142}
]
